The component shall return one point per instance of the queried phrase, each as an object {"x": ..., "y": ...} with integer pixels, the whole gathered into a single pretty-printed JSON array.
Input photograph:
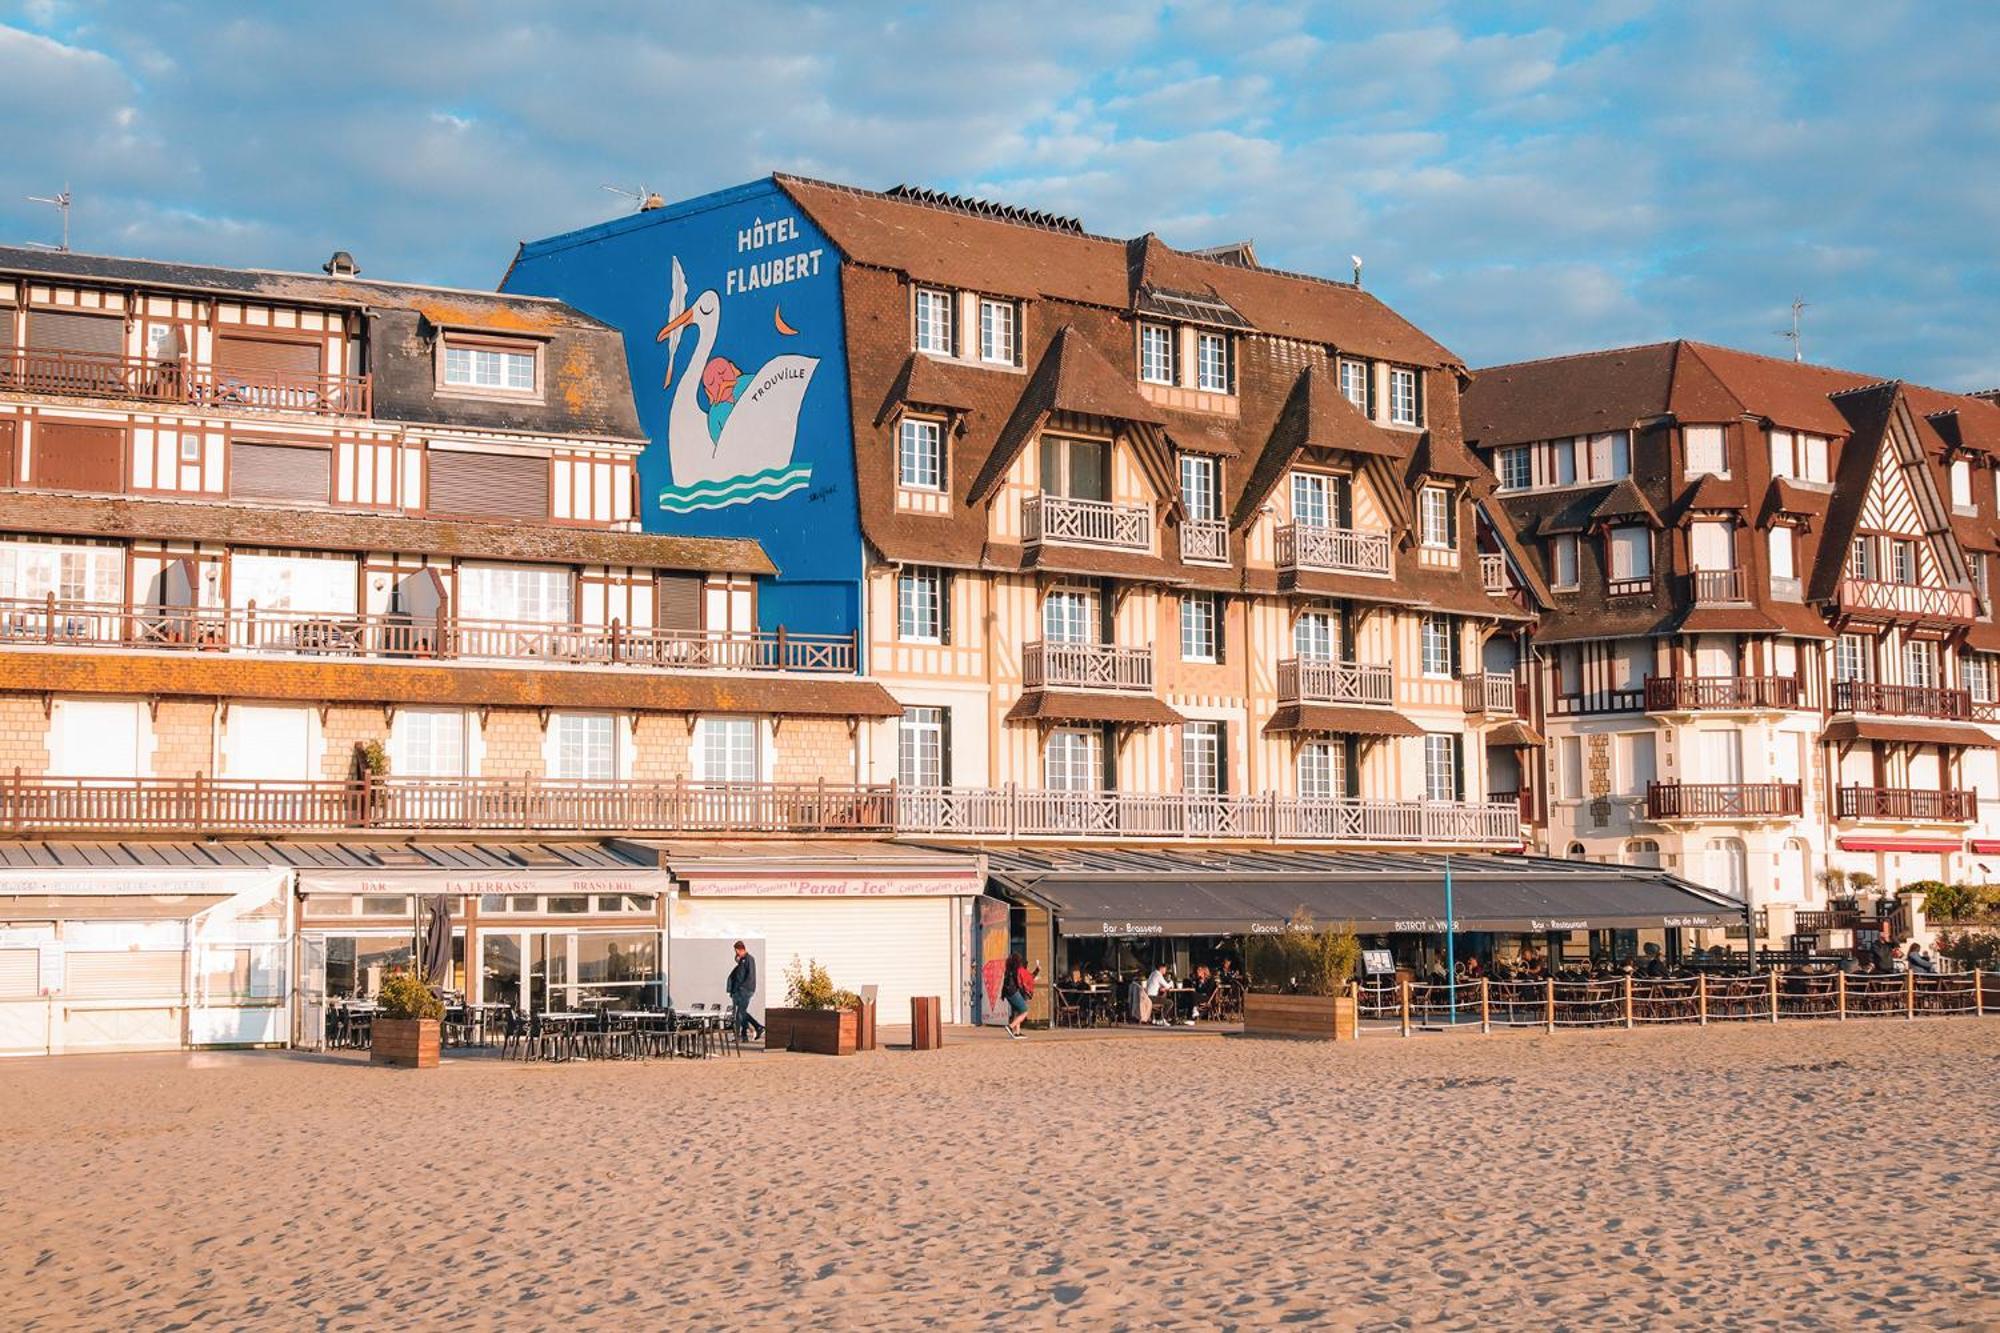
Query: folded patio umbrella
[{"x": 437, "y": 943}]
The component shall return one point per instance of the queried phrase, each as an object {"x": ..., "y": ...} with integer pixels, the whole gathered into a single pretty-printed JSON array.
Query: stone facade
[
  {"x": 513, "y": 740},
  {"x": 813, "y": 750},
  {"x": 24, "y": 746},
  {"x": 184, "y": 738}
]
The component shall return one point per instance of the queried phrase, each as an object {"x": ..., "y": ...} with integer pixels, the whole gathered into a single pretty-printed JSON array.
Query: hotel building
[{"x": 1766, "y": 641}]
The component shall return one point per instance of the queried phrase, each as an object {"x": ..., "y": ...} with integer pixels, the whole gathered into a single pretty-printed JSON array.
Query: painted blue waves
[{"x": 770, "y": 484}]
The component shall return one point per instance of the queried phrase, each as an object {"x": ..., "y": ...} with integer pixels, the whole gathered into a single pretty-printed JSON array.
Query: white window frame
[
  {"x": 1631, "y": 550},
  {"x": 1201, "y": 627},
  {"x": 1069, "y": 615},
  {"x": 1201, "y": 482},
  {"x": 1434, "y": 637},
  {"x": 1313, "y": 636},
  {"x": 1073, "y": 760},
  {"x": 1403, "y": 407},
  {"x": 1961, "y": 485},
  {"x": 1515, "y": 467},
  {"x": 727, "y": 750},
  {"x": 1156, "y": 353},
  {"x": 919, "y": 604},
  {"x": 584, "y": 747},
  {"x": 933, "y": 318},
  {"x": 477, "y": 368},
  {"x": 920, "y": 454},
  {"x": 1202, "y": 759},
  {"x": 1563, "y": 561},
  {"x": 1851, "y": 658},
  {"x": 1322, "y": 771},
  {"x": 1434, "y": 517},
  {"x": 1211, "y": 361},
  {"x": 1354, "y": 384},
  {"x": 419, "y": 736},
  {"x": 998, "y": 331},
  {"x": 920, "y": 756},
  {"x": 1441, "y": 766},
  {"x": 1315, "y": 489},
  {"x": 1707, "y": 451},
  {"x": 1921, "y": 667}
]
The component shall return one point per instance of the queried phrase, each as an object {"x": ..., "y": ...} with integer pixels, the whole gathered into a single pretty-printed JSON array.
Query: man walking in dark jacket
[{"x": 742, "y": 986}]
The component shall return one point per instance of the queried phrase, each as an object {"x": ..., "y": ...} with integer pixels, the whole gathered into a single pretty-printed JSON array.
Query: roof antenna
[
  {"x": 61, "y": 201},
  {"x": 644, "y": 200},
  {"x": 1357, "y": 269},
  {"x": 1793, "y": 335}
]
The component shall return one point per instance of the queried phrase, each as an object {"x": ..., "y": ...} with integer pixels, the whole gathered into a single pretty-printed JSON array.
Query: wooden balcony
[
  {"x": 1493, "y": 694},
  {"x": 1307, "y": 680},
  {"x": 52, "y": 623},
  {"x": 1865, "y": 696},
  {"x": 1872, "y": 601},
  {"x": 1065, "y": 521},
  {"x": 91, "y": 375},
  {"x": 1722, "y": 801},
  {"x": 1332, "y": 550},
  {"x": 1089, "y": 666},
  {"x": 1205, "y": 541},
  {"x": 1493, "y": 573},
  {"x": 1023, "y": 813},
  {"x": 1721, "y": 694},
  {"x": 1718, "y": 587},
  {"x": 1910, "y": 805},
  {"x": 202, "y": 805}
]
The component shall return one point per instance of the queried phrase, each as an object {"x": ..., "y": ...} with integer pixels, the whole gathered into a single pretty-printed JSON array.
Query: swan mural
[{"x": 730, "y": 432}]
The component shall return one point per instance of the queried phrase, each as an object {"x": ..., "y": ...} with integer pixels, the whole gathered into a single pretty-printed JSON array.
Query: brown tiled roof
[
  {"x": 347, "y": 530},
  {"x": 1316, "y": 415},
  {"x": 1846, "y": 730},
  {"x": 1136, "y": 710},
  {"x": 229, "y": 677},
  {"x": 1716, "y": 494},
  {"x": 1072, "y": 377},
  {"x": 1625, "y": 500},
  {"x": 1569, "y": 395},
  {"x": 1791, "y": 394},
  {"x": 928, "y": 382},
  {"x": 1726, "y": 619},
  {"x": 1342, "y": 719},
  {"x": 958, "y": 248},
  {"x": 1516, "y": 734},
  {"x": 1789, "y": 497}
]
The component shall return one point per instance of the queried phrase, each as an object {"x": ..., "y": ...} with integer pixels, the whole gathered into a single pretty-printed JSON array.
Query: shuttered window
[
  {"x": 69, "y": 331},
  {"x": 78, "y": 458},
  {"x": 500, "y": 485},
  {"x": 280, "y": 472},
  {"x": 7, "y": 472},
  {"x": 6, "y": 328},
  {"x": 259, "y": 356},
  {"x": 680, "y": 602}
]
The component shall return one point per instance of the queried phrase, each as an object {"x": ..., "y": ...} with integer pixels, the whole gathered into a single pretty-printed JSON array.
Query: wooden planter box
[
  {"x": 1320, "y": 1017},
  {"x": 813, "y": 1031},
  {"x": 411, "y": 1043}
]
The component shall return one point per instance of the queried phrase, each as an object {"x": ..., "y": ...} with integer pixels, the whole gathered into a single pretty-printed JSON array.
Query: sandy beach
[{"x": 1815, "y": 1175}]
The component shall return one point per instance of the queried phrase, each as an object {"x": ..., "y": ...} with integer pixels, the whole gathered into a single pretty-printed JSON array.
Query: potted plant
[
  {"x": 370, "y": 766},
  {"x": 1302, "y": 982},
  {"x": 817, "y": 1019},
  {"x": 406, "y": 1029}
]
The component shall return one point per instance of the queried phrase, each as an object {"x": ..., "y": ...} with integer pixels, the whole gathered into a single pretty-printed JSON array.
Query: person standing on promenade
[
  {"x": 1017, "y": 988},
  {"x": 742, "y": 988}
]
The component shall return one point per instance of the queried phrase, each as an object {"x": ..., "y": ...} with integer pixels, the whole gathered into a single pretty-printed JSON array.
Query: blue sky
[{"x": 1521, "y": 179}]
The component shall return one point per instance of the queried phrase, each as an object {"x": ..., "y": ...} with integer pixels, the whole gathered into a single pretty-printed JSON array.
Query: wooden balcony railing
[
  {"x": 1493, "y": 693},
  {"x": 1808, "y": 922},
  {"x": 1874, "y": 600},
  {"x": 1865, "y": 696},
  {"x": 1058, "y": 518},
  {"x": 205, "y": 805},
  {"x": 1091, "y": 666},
  {"x": 1335, "y": 550},
  {"x": 1493, "y": 573},
  {"x": 93, "y": 375},
  {"x": 1205, "y": 540},
  {"x": 346, "y": 634},
  {"x": 1308, "y": 680},
  {"x": 1913, "y": 804},
  {"x": 1722, "y": 800},
  {"x": 1712, "y": 587},
  {"x": 1686, "y": 694}
]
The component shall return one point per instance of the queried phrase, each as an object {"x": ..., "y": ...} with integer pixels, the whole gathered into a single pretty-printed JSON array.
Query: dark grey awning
[{"x": 1190, "y": 902}]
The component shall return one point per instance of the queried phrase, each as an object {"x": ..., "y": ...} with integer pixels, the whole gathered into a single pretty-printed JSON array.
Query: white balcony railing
[
  {"x": 1090, "y": 666},
  {"x": 1337, "y": 550},
  {"x": 1492, "y": 693},
  {"x": 1206, "y": 540},
  {"x": 1071, "y": 522},
  {"x": 1306, "y": 680},
  {"x": 1493, "y": 573}
]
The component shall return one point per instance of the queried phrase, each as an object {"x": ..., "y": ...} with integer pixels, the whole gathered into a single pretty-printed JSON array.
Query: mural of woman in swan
[{"x": 736, "y": 446}]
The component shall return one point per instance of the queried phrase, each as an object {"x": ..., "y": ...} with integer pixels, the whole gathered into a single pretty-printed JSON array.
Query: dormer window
[
  {"x": 920, "y": 454},
  {"x": 1435, "y": 515},
  {"x": 1404, "y": 407},
  {"x": 996, "y": 332},
  {"x": 1516, "y": 467},
  {"x": 1213, "y": 368},
  {"x": 1354, "y": 383},
  {"x": 934, "y": 322},
  {"x": 1156, "y": 354},
  {"x": 483, "y": 366}
]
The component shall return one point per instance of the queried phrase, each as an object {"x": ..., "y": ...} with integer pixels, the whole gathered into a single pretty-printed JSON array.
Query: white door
[
  {"x": 1711, "y": 547},
  {"x": 1715, "y": 655},
  {"x": 1722, "y": 756},
  {"x": 270, "y": 743}
]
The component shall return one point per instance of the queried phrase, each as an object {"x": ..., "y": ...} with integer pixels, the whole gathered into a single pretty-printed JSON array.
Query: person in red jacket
[{"x": 1017, "y": 988}]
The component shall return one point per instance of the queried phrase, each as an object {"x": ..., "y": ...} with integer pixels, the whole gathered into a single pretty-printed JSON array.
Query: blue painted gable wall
[{"x": 725, "y": 459}]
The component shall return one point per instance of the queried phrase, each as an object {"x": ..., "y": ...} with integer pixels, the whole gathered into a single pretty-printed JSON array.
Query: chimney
[
  {"x": 1357, "y": 269},
  {"x": 342, "y": 265}
]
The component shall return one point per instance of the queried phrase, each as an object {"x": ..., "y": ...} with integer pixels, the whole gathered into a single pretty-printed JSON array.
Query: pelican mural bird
[{"x": 736, "y": 447}]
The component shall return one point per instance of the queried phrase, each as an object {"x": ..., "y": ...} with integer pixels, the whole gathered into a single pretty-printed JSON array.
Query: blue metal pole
[{"x": 1450, "y": 945}]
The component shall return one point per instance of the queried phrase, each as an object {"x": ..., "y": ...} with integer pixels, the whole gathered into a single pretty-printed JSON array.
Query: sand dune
[{"x": 1810, "y": 1174}]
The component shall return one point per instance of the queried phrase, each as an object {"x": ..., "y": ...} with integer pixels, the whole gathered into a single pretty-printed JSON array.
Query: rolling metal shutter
[
  {"x": 500, "y": 485},
  {"x": 680, "y": 602},
  {"x": 280, "y": 472},
  {"x": 251, "y": 356},
  {"x": 904, "y": 946},
  {"x": 64, "y": 331},
  {"x": 78, "y": 458}
]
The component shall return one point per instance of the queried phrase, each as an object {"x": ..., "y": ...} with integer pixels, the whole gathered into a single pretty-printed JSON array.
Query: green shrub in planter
[{"x": 404, "y": 996}]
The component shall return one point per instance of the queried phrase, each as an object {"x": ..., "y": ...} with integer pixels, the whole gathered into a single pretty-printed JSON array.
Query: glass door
[{"x": 500, "y": 971}]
